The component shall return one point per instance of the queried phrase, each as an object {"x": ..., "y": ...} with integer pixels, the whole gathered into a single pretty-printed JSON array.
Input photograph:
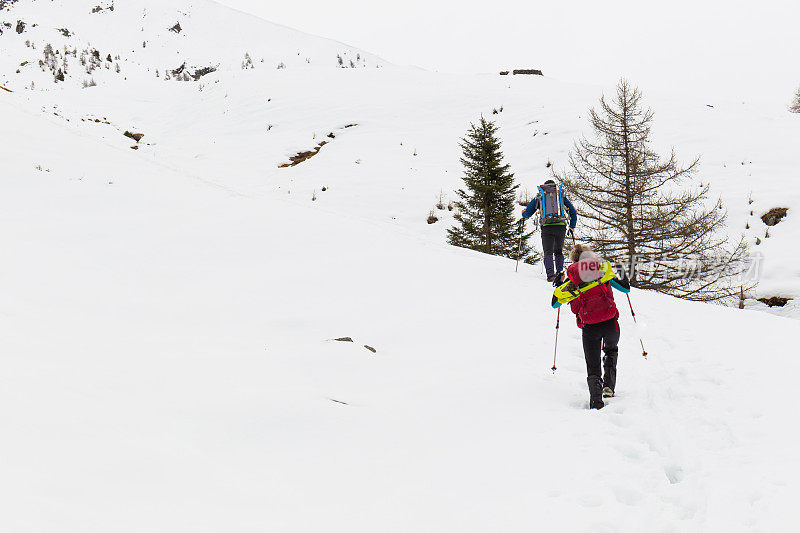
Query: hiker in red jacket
[{"x": 596, "y": 315}]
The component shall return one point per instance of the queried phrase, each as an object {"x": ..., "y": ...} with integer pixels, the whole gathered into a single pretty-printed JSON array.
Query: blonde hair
[{"x": 578, "y": 251}]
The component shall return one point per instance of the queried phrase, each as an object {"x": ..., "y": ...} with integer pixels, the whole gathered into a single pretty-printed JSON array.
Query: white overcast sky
[{"x": 741, "y": 48}]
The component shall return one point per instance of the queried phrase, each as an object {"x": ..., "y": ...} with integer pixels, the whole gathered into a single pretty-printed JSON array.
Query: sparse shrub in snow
[
  {"x": 440, "y": 204},
  {"x": 794, "y": 107},
  {"x": 89, "y": 83},
  {"x": 340, "y": 60},
  {"x": 432, "y": 217},
  {"x": 524, "y": 198},
  {"x": 248, "y": 62},
  {"x": 49, "y": 56},
  {"x": 281, "y": 65},
  {"x": 117, "y": 68}
]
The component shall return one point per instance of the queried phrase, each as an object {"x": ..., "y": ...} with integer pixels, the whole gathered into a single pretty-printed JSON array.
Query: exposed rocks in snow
[
  {"x": 504, "y": 73},
  {"x": 302, "y": 156},
  {"x": 135, "y": 136},
  {"x": 344, "y": 339},
  {"x": 179, "y": 70},
  {"x": 7, "y": 3},
  {"x": 176, "y": 28},
  {"x": 775, "y": 301},
  {"x": 528, "y": 71},
  {"x": 183, "y": 73},
  {"x": 7, "y": 90},
  {"x": 100, "y": 9},
  {"x": 20, "y": 26},
  {"x": 199, "y": 73},
  {"x": 370, "y": 348},
  {"x": 774, "y": 215}
]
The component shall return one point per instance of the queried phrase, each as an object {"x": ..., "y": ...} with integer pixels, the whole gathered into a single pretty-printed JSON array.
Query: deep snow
[{"x": 168, "y": 361}]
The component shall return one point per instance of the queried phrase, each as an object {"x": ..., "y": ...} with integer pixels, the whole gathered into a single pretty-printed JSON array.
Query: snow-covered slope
[
  {"x": 167, "y": 360},
  {"x": 169, "y": 364}
]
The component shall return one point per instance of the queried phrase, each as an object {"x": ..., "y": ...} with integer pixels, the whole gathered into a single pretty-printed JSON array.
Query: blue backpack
[{"x": 551, "y": 204}]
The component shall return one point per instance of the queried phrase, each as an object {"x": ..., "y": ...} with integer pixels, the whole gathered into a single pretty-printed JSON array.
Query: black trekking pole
[
  {"x": 519, "y": 247},
  {"x": 572, "y": 233},
  {"x": 555, "y": 350},
  {"x": 633, "y": 314}
]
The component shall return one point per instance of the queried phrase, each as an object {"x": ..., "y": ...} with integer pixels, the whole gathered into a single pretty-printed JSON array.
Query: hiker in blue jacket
[{"x": 550, "y": 201}]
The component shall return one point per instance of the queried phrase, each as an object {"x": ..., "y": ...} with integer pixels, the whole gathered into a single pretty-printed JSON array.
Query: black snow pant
[
  {"x": 553, "y": 247},
  {"x": 603, "y": 335}
]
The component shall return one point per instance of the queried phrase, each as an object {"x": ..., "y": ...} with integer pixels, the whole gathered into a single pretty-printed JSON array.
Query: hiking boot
[
  {"x": 551, "y": 278},
  {"x": 610, "y": 369},
  {"x": 595, "y": 392},
  {"x": 559, "y": 279},
  {"x": 608, "y": 392}
]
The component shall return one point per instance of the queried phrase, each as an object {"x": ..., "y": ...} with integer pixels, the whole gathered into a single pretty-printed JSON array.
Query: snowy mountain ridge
[
  {"x": 173, "y": 332},
  {"x": 179, "y": 40}
]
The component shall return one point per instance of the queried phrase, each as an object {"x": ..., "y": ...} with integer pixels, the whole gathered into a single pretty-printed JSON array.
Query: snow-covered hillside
[
  {"x": 101, "y": 42},
  {"x": 167, "y": 356}
]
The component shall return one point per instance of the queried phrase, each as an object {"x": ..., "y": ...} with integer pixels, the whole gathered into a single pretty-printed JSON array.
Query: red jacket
[{"x": 597, "y": 304}]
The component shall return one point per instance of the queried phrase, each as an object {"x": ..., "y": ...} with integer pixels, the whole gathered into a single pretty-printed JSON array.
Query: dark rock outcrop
[
  {"x": 135, "y": 136},
  {"x": 775, "y": 301},
  {"x": 774, "y": 215}
]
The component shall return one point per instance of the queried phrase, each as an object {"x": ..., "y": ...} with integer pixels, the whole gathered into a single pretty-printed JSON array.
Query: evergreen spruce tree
[
  {"x": 647, "y": 212},
  {"x": 485, "y": 210}
]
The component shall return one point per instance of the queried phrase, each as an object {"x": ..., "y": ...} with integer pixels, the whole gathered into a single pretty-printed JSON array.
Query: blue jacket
[{"x": 534, "y": 206}]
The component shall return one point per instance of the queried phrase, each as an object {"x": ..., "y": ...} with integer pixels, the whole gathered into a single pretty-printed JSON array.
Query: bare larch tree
[{"x": 648, "y": 213}]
